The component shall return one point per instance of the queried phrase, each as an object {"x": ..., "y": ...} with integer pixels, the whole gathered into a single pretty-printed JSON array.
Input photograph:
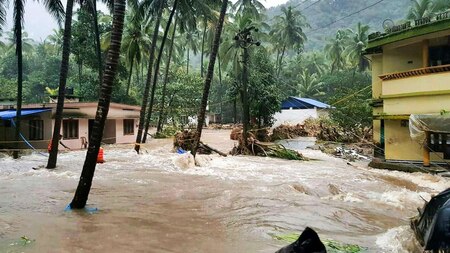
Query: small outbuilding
[{"x": 295, "y": 110}]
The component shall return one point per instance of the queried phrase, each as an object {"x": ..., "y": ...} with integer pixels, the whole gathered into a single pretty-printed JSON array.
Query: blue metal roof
[
  {"x": 303, "y": 103},
  {"x": 9, "y": 114}
]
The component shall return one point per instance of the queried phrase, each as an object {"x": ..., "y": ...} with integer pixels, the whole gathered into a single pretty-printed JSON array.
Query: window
[
  {"x": 70, "y": 129},
  {"x": 5, "y": 123},
  {"x": 36, "y": 129},
  {"x": 439, "y": 55},
  {"x": 128, "y": 126}
]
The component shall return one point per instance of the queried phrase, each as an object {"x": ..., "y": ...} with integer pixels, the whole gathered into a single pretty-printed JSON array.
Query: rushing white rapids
[{"x": 159, "y": 202}]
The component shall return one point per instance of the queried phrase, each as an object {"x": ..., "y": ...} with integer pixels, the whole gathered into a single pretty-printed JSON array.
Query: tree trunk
[
  {"x": 281, "y": 61},
  {"x": 245, "y": 102},
  {"x": 97, "y": 41},
  {"x": 203, "y": 48},
  {"x": 235, "y": 110},
  {"x": 129, "y": 77},
  {"x": 209, "y": 77},
  {"x": 18, "y": 14},
  {"x": 166, "y": 75},
  {"x": 220, "y": 88},
  {"x": 148, "y": 81},
  {"x": 156, "y": 72},
  {"x": 112, "y": 61},
  {"x": 51, "y": 164},
  {"x": 187, "y": 64}
]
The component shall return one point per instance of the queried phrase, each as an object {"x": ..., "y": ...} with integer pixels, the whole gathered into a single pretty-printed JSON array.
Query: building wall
[
  {"x": 417, "y": 105},
  {"x": 400, "y": 146},
  {"x": 437, "y": 82},
  {"x": 83, "y": 131},
  {"x": 294, "y": 116},
  {"x": 402, "y": 58},
  {"x": 120, "y": 137},
  {"x": 7, "y": 134},
  {"x": 377, "y": 69}
]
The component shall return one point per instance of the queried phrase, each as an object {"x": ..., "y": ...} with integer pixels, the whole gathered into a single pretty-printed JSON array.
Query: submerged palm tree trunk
[
  {"x": 137, "y": 147},
  {"x": 112, "y": 61},
  {"x": 51, "y": 164},
  {"x": 18, "y": 15},
  {"x": 209, "y": 76},
  {"x": 156, "y": 72},
  {"x": 166, "y": 77}
]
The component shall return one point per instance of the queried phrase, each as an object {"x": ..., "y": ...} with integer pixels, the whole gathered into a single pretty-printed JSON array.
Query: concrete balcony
[{"x": 424, "y": 90}]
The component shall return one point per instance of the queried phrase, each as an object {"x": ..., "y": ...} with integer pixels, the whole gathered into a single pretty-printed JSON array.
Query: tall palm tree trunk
[
  {"x": 220, "y": 88},
  {"x": 51, "y": 164},
  {"x": 18, "y": 15},
  {"x": 129, "y": 76},
  {"x": 156, "y": 72},
  {"x": 137, "y": 147},
  {"x": 112, "y": 61},
  {"x": 209, "y": 77},
  {"x": 244, "y": 96},
  {"x": 281, "y": 61},
  {"x": 203, "y": 48},
  {"x": 166, "y": 77},
  {"x": 97, "y": 40}
]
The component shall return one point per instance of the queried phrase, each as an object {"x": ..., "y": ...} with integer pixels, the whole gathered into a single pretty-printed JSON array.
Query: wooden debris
[{"x": 185, "y": 141}]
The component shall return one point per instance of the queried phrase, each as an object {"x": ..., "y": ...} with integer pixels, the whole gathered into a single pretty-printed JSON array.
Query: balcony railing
[{"x": 415, "y": 72}]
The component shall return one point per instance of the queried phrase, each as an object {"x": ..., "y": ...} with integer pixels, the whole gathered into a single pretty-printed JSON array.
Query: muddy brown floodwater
[{"x": 156, "y": 202}]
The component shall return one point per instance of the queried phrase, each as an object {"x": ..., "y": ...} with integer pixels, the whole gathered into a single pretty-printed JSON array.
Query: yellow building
[{"x": 410, "y": 76}]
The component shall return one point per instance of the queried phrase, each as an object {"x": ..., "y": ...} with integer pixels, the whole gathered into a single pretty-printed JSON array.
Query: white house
[{"x": 295, "y": 110}]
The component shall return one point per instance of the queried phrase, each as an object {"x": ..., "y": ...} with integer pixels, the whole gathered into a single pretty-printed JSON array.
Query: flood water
[{"x": 156, "y": 202}]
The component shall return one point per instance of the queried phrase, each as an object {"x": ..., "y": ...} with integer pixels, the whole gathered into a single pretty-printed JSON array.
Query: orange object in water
[{"x": 100, "y": 156}]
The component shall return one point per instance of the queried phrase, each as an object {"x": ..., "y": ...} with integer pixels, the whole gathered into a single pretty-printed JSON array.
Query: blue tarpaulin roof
[
  {"x": 9, "y": 114},
  {"x": 303, "y": 103}
]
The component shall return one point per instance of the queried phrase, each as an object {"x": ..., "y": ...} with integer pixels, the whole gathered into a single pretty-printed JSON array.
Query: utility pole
[{"x": 245, "y": 39}]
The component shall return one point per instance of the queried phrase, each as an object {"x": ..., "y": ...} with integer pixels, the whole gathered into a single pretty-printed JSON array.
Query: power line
[
  {"x": 309, "y": 6},
  {"x": 349, "y": 15}
]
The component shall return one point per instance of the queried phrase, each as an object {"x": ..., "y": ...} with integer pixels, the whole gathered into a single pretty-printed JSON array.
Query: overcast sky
[{"x": 39, "y": 24}]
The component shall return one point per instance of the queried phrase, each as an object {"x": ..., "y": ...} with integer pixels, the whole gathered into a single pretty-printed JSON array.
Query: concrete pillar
[{"x": 425, "y": 53}]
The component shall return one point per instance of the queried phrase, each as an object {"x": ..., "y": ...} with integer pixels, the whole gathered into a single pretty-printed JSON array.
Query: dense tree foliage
[{"x": 284, "y": 65}]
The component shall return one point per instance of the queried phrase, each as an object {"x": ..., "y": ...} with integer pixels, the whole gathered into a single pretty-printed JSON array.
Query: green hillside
[{"x": 324, "y": 12}]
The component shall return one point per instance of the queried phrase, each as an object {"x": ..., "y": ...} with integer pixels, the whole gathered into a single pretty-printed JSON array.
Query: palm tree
[
  {"x": 51, "y": 164},
  {"x": 56, "y": 9},
  {"x": 156, "y": 72},
  {"x": 288, "y": 30},
  {"x": 356, "y": 44},
  {"x": 57, "y": 39},
  {"x": 135, "y": 39},
  {"x": 191, "y": 44},
  {"x": 163, "y": 96},
  {"x": 419, "y": 9},
  {"x": 440, "y": 5},
  {"x": 314, "y": 62},
  {"x": 251, "y": 8},
  {"x": 158, "y": 8},
  {"x": 309, "y": 85},
  {"x": 112, "y": 61},
  {"x": 335, "y": 51},
  {"x": 209, "y": 76}
]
